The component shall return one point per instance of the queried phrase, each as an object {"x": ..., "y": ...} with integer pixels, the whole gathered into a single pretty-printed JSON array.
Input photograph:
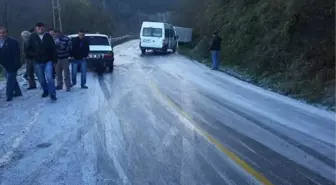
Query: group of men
[{"x": 45, "y": 54}]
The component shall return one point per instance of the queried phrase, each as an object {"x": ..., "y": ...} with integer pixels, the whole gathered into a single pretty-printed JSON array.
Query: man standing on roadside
[
  {"x": 79, "y": 52},
  {"x": 10, "y": 60},
  {"x": 63, "y": 44},
  {"x": 215, "y": 49},
  {"x": 29, "y": 61},
  {"x": 41, "y": 47}
]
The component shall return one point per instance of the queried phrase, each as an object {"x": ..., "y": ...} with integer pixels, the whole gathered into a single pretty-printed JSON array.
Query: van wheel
[{"x": 143, "y": 51}]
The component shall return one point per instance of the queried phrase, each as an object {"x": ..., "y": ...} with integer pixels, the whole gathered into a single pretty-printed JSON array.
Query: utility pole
[
  {"x": 57, "y": 18},
  {"x": 139, "y": 17}
]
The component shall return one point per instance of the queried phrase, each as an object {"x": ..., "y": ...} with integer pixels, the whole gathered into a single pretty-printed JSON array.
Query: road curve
[{"x": 164, "y": 120}]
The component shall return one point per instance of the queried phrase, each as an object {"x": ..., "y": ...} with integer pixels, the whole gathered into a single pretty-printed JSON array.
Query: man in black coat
[
  {"x": 10, "y": 60},
  {"x": 79, "y": 52},
  {"x": 41, "y": 48}
]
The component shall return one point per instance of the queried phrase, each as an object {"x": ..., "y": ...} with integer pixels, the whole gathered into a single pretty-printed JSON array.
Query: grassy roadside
[
  {"x": 2, "y": 77},
  {"x": 286, "y": 46},
  {"x": 267, "y": 83}
]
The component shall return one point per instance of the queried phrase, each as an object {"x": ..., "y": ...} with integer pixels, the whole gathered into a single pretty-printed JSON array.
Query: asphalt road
[{"x": 164, "y": 120}]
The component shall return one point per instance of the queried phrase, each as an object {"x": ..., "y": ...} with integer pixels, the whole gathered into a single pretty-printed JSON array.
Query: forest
[
  {"x": 113, "y": 17},
  {"x": 287, "y": 46}
]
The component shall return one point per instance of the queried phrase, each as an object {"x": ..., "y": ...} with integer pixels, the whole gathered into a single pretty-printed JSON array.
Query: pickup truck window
[{"x": 98, "y": 40}]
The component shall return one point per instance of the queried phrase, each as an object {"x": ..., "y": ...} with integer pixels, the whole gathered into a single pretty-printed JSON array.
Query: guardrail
[{"x": 119, "y": 40}]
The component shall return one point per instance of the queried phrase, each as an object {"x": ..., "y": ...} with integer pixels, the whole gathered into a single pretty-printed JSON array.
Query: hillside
[
  {"x": 115, "y": 17},
  {"x": 22, "y": 15},
  {"x": 287, "y": 46}
]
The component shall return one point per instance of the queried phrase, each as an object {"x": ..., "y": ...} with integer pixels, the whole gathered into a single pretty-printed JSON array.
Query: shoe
[
  {"x": 72, "y": 85},
  {"x": 68, "y": 90},
  {"x": 9, "y": 99},
  {"x": 53, "y": 97},
  {"x": 84, "y": 87},
  {"x": 45, "y": 94},
  {"x": 31, "y": 87},
  {"x": 59, "y": 87}
]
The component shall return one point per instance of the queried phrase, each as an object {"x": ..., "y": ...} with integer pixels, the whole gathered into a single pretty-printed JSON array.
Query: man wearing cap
[
  {"x": 63, "y": 44},
  {"x": 41, "y": 47}
]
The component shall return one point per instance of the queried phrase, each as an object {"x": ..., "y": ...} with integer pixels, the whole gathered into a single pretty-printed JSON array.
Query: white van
[{"x": 157, "y": 36}]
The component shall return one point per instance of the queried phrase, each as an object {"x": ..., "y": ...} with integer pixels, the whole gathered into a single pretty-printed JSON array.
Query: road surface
[{"x": 164, "y": 120}]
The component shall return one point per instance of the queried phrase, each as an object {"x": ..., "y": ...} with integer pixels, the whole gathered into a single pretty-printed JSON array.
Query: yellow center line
[{"x": 261, "y": 178}]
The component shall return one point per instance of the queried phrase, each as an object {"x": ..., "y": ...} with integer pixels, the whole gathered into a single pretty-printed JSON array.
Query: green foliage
[
  {"x": 85, "y": 15},
  {"x": 288, "y": 45},
  {"x": 76, "y": 14}
]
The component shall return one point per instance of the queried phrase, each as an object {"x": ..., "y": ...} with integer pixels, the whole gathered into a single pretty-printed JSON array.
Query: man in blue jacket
[{"x": 10, "y": 60}]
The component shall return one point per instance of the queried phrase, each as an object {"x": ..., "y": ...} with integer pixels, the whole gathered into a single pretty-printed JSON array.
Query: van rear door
[
  {"x": 151, "y": 37},
  {"x": 170, "y": 37}
]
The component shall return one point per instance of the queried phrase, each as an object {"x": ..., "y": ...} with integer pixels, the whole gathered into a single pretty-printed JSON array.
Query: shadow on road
[
  {"x": 155, "y": 53},
  {"x": 104, "y": 88}
]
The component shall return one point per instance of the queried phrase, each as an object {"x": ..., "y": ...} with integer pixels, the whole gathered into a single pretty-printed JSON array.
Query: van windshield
[
  {"x": 98, "y": 40},
  {"x": 152, "y": 32}
]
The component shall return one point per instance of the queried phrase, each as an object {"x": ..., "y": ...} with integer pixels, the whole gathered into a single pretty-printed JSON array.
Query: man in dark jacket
[
  {"x": 215, "y": 49},
  {"x": 79, "y": 52},
  {"x": 41, "y": 47},
  {"x": 63, "y": 44},
  {"x": 10, "y": 60}
]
